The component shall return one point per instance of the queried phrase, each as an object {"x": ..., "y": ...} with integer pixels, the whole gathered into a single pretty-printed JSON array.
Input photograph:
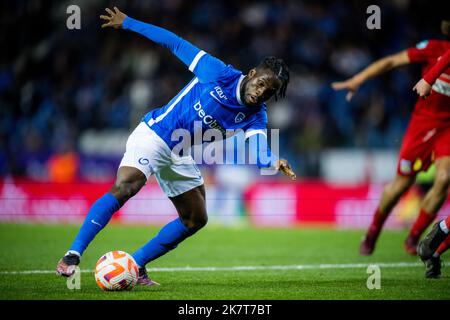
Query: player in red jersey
[
  {"x": 438, "y": 240},
  {"x": 426, "y": 140}
]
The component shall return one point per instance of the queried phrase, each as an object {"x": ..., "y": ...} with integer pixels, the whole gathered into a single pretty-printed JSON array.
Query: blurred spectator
[{"x": 63, "y": 167}]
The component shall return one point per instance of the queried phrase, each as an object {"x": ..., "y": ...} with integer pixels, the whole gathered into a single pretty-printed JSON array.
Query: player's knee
[
  {"x": 196, "y": 221},
  {"x": 201, "y": 221},
  {"x": 125, "y": 190}
]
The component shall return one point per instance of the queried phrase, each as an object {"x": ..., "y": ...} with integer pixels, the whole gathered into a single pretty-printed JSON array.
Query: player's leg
[
  {"x": 391, "y": 194},
  {"x": 128, "y": 182},
  {"x": 415, "y": 155},
  {"x": 432, "y": 246},
  {"x": 436, "y": 196},
  {"x": 431, "y": 204},
  {"x": 134, "y": 169},
  {"x": 433, "y": 265},
  {"x": 191, "y": 208},
  {"x": 438, "y": 240},
  {"x": 424, "y": 182}
]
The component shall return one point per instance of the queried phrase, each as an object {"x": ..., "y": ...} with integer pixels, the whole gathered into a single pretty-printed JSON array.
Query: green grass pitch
[{"x": 38, "y": 247}]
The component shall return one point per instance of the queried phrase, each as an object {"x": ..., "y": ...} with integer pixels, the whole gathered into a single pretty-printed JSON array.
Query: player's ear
[{"x": 251, "y": 73}]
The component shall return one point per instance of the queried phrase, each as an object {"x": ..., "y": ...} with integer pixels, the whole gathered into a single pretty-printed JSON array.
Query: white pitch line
[{"x": 250, "y": 268}]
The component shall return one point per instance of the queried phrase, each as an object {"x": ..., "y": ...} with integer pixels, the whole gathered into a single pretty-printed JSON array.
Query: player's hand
[
  {"x": 422, "y": 88},
  {"x": 114, "y": 19},
  {"x": 351, "y": 85},
  {"x": 283, "y": 166}
]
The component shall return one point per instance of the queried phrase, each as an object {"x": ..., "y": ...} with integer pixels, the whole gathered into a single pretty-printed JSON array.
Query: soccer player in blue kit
[{"x": 220, "y": 97}]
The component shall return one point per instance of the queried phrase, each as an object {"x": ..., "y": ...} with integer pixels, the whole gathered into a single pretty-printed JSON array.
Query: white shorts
[{"x": 146, "y": 151}]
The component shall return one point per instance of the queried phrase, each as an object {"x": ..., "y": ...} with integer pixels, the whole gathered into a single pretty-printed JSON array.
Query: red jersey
[
  {"x": 439, "y": 68},
  {"x": 437, "y": 105}
]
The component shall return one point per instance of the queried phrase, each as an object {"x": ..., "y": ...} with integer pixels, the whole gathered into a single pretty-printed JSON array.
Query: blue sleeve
[
  {"x": 206, "y": 67},
  {"x": 256, "y": 135},
  {"x": 259, "y": 149}
]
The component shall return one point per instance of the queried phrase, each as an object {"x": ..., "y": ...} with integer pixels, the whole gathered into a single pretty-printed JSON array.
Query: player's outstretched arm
[
  {"x": 205, "y": 66},
  {"x": 376, "y": 68},
  {"x": 264, "y": 156},
  {"x": 181, "y": 48}
]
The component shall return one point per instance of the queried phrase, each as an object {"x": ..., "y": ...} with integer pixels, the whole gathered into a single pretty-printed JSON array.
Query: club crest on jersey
[
  {"x": 239, "y": 117},
  {"x": 405, "y": 166}
]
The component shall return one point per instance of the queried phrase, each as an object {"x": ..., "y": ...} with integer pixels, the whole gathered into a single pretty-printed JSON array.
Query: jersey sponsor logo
[
  {"x": 417, "y": 164},
  {"x": 207, "y": 119},
  {"x": 422, "y": 44},
  {"x": 239, "y": 117}
]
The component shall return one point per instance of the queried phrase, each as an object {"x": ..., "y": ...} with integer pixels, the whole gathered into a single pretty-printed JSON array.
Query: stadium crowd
[{"x": 57, "y": 83}]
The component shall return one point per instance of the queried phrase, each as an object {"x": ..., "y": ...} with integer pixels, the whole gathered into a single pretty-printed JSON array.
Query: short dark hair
[{"x": 280, "y": 70}]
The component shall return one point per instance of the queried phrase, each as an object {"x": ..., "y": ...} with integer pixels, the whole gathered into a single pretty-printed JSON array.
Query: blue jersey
[{"x": 211, "y": 98}]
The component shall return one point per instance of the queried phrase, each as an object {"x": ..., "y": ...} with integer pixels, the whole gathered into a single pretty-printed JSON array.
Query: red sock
[
  {"x": 444, "y": 245},
  {"x": 422, "y": 222},
  {"x": 377, "y": 223}
]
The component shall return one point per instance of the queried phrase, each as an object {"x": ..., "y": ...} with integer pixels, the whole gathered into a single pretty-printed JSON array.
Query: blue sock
[
  {"x": 97, "y": 218},
  {"x": 167, "y": 239}
]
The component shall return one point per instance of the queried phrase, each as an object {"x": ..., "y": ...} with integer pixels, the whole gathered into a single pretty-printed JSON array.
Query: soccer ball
[{"x": 115, "y": 271}]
